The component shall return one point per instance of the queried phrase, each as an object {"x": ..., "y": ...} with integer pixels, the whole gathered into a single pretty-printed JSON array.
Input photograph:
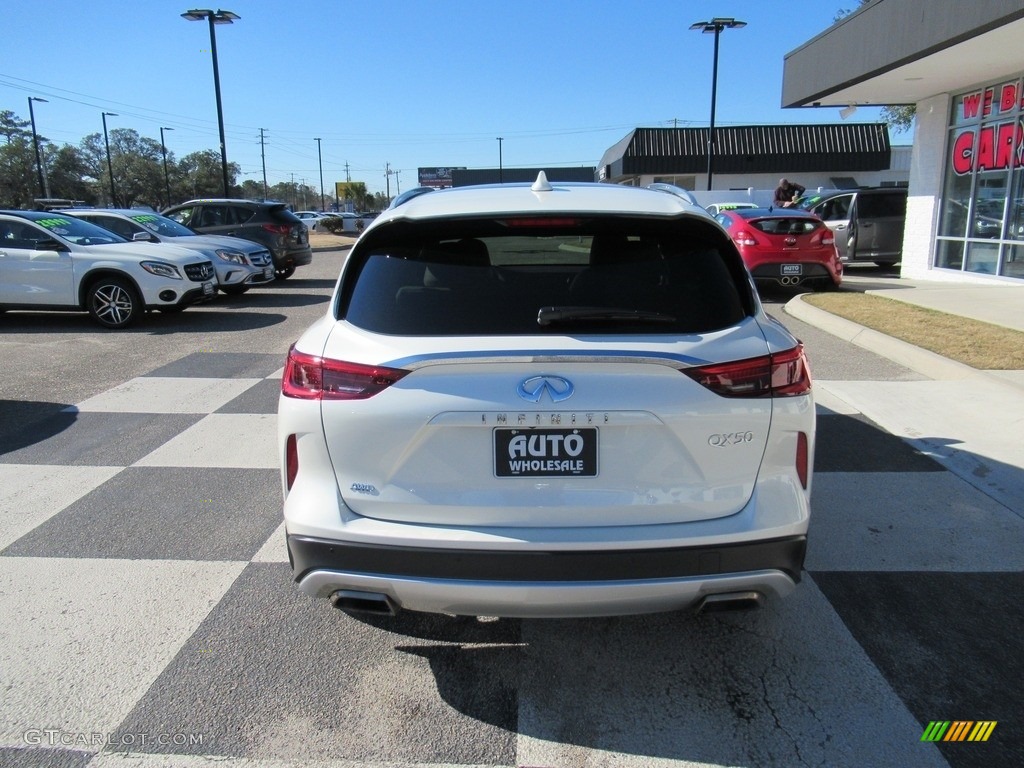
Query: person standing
[{"x": 786, "y": 193}]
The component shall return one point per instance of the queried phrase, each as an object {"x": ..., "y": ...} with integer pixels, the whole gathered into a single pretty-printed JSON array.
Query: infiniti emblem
[{"x": 533, "y": 389}]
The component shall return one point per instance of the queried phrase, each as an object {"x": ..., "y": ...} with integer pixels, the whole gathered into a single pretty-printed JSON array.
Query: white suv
[
  {"x": 57, "y": 262},
  {"x": 546, "y": 401}
]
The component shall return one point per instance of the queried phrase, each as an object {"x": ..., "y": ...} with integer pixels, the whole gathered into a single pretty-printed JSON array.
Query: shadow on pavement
[{"x": 17, "y": 416}]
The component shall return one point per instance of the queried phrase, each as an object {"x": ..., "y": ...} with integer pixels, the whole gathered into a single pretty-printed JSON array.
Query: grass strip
[{"x": 975, "y": 343}]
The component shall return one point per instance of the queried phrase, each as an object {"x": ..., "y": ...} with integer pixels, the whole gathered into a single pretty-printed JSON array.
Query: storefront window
[
  {"x": 983, "y": 195},
  {"x": 1013, "y": 261},
  {"x": 950, "y": 254}
]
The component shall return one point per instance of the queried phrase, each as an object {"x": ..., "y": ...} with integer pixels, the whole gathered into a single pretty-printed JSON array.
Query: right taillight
[
  {"x": 310, "y": 377},
  {"x": 782, "y": 374},
  {"x": 278, "y": 229}
]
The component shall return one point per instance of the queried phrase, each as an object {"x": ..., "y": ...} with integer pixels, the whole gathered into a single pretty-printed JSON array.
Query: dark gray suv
[{"x": 268, "y": 223}]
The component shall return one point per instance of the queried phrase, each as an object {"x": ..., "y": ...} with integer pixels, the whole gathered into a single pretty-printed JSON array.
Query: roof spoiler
[{"x": 672, "y": 189}]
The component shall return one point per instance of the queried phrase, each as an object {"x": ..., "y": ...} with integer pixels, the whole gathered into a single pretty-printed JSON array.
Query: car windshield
[
  {"x": 162, "y": 225},
  {"x": 545, "y": 275},
  {"x": 78, "y": 231}
]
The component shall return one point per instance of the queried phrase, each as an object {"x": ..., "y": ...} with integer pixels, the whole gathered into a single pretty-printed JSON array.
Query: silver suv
[
  {"x": 868, "y": 223},
  {"x": 240, "y": 264}
]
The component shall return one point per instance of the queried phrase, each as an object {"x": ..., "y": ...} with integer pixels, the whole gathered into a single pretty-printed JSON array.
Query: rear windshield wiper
[{"x": 552, "y": 315}]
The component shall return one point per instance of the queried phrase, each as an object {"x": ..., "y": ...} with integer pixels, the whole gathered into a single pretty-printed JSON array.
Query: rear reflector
[
  {"x": 802, "y": 458},
  {"x": 291, "y": 461},
  {"x": 309, "y": 377},
  {"x": 783, "y": 374}
]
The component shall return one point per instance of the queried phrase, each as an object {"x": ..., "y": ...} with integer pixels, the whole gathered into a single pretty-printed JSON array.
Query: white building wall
[{"x": 926, "y": 171}]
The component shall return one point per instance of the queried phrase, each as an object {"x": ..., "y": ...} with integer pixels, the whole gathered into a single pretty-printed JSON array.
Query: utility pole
[
  {"x": 263, "y": 157},
  {"x": 387, "y": 180}
]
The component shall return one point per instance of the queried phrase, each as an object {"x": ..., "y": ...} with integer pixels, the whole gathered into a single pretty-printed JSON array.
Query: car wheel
[
  {"x": 113, "y": 303},
  {"x": 285, "y": 272},
  {"x": 233, "y": 290}
]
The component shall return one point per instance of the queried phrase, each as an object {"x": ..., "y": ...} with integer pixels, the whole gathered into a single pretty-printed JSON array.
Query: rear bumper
[
  {"x": 546, "y": 583},
  {"x": 293, "y": 256}
]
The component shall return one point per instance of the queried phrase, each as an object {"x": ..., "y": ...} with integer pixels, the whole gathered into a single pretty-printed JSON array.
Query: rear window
[
  {"x": 282, "y": 215},
  {"x": 545, "y": 275},
  {"x": 788, "y": 226}
]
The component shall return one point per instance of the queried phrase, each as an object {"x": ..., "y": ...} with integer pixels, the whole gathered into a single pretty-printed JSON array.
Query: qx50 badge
[{"x": 533, "y": 389}]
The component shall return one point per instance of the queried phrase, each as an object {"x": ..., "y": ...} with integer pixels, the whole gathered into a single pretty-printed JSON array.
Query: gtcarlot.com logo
[{"x": 959, "y": 730}]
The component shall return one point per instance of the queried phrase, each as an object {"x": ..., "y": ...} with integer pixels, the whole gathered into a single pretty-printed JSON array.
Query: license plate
[
  {"x": 268, "y": 272},
  {"x": 792, "y": 269},
  {"x": 208, "y": 289},
  {"x": 545, "y": 452}
]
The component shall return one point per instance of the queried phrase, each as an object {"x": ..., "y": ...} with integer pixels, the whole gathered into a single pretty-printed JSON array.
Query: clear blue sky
[{"x": 407, "y": 82}]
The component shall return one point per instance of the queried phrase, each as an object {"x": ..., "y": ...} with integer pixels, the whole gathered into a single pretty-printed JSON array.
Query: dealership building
[{"x": 962, "y": 66}]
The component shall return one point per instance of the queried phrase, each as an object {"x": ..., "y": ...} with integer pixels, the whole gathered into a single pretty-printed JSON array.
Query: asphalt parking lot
[{"x": 151, "y": 613}]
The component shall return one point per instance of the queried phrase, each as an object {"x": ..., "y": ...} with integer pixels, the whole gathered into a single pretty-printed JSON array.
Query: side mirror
[
  {"x": 142, "y": 237},
  {"x": 49, "y": 244}
]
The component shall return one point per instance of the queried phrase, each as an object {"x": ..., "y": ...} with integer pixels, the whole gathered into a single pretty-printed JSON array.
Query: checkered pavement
[{"x": 149, "y": 616}]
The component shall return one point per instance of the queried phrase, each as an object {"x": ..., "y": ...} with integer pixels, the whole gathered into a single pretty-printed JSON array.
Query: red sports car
[{"x": 784, "y": 246}]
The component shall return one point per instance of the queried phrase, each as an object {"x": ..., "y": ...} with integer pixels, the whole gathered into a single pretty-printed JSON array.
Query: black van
[{"x": 868, "y": 223}]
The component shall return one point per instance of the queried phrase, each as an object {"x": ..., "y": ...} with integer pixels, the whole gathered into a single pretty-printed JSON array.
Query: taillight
[
  {"x": 309, "y": 377},
  {"x": 783, "y": 374},
  {"x": 278, "y": 229},
  {"x": 291, "y": 461},
  {"x": 743, "y": 237}
]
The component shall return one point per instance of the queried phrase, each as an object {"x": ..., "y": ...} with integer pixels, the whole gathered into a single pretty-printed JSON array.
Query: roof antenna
[{"x": 542, "y": 184}]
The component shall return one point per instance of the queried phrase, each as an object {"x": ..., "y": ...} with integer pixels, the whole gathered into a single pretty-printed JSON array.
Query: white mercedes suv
[
  {"x": 546, "y": 401},
  {"x": 50, "y": 261}
]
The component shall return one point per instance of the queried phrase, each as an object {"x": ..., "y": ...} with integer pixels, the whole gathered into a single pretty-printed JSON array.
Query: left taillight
[
  {"x": 310, "y": 377},
  {"x": 782, "y": 374}
]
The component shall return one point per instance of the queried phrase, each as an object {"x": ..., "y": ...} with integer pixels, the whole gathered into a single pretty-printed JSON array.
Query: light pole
[
  {"x": 110, "y": 167},
  {"x": 501, "y": 174},
  {"x": 35, "y": 143},
  {"x": 216, "y": 17},
  {"x": 163, "y": 149},
  {"x": 320, "y": 158},
  {"x": 715, "y": 26}
]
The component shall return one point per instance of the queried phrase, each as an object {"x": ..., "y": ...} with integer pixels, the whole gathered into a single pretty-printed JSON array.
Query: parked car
[
  {"x": 716, "y": 208},
  {"x": 546, "y": 400},
  {"x": 240, "y": 264},
  {"x": 311, "y": 218},
  {"x": 784, "y": 246},
  {"x": 268, "y": 223},
  {"x": 868, "y": 223},
  {"x": 53, "y": 261}
]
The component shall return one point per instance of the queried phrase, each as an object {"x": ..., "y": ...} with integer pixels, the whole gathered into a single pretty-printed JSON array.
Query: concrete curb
[{"x": 922, "y": 361}]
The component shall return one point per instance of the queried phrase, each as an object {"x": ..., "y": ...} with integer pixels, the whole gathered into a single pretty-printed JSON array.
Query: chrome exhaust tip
[
  {"x": 353, "y": 601},
  {"x": 730, "y": 602}
]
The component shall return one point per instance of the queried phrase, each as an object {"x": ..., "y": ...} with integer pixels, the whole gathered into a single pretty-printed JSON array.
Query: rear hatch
[
  {"x": 544, "y": 375},
  {"x": 292, "y": 227},
  {"x": 782, "y": 238}
]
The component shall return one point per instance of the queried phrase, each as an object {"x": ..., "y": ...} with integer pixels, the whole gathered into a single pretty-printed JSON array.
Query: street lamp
[
  {"x": 501, "y": 175},
  {"x": 715, "y": 26},
  {"x": 321, "y": 159},
  {"x": 216, "y": 17},
  {"x": 163, "y": 149},
  {"x": 110, "y": 168},
  {"x": 35, "y": 143}
]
